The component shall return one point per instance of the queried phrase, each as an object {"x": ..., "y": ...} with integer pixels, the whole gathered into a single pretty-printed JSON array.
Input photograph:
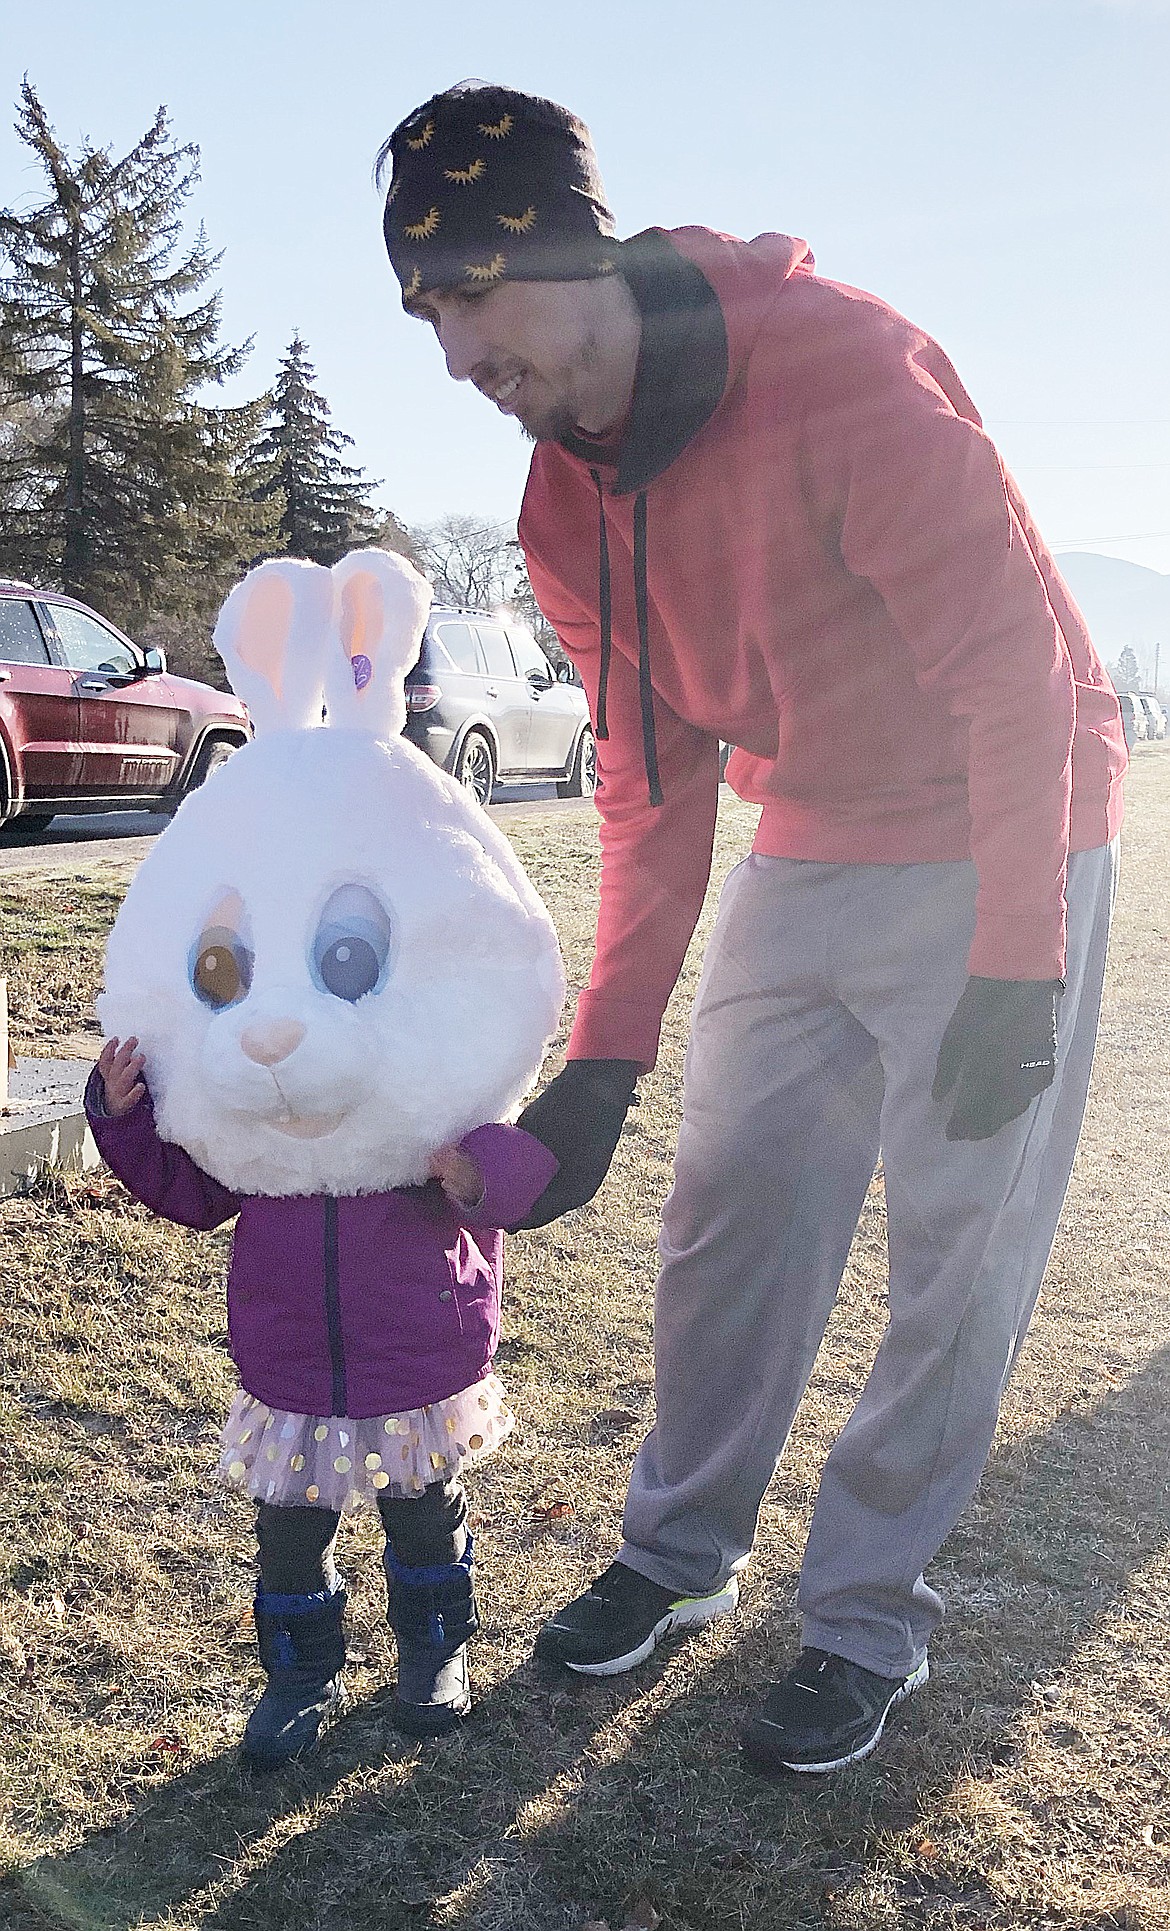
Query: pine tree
[
  {"x": 325, "y": 509},
  {"x": 129, "y": 485},
  {"x": 1127, "y": 675}
]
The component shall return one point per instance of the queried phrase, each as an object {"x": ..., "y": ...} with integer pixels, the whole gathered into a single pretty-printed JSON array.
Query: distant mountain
[{"x": 1122, "y": 603}]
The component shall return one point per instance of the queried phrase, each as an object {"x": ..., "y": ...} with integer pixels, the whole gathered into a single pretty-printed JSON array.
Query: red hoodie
[{"x": 802, "y": 542}]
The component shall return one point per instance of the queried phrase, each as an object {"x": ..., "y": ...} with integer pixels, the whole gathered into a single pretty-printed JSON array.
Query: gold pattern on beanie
[
  {"x": 516, "y": 224},
  {"x": 513, "y": 146},
  {"x": 424, "y": 229},
  {"x": 491, "y": 271}
]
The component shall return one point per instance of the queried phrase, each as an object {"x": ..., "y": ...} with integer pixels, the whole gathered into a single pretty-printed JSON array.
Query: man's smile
[{"x": 501, "y": 390}]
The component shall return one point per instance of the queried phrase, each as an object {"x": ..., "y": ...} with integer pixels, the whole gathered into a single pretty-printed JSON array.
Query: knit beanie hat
[{"x": 492, "y": 185}]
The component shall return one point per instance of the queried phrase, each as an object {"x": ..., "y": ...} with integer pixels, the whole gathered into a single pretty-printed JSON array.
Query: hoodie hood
[{"x": 701, "y": 297}]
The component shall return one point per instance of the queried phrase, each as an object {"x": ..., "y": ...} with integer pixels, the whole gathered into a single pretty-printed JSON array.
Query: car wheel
[
  {"x": 582, "y": 780},
  {"x": 474, "y": 769},
  {"x": 210, "y": 759}
]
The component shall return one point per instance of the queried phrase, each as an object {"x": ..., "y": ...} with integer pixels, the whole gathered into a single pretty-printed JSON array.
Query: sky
[{"x": 996, "y": 169}]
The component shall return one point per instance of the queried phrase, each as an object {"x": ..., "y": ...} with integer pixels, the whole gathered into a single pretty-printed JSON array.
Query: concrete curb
[{"x": 44, "y": 1123}]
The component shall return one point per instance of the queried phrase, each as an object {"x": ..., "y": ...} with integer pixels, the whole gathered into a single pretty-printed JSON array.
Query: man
[{"x": 761, "y": 509}]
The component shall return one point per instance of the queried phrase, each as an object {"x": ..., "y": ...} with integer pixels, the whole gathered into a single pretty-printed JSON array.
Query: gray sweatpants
[{"x": 824, "y": 996}]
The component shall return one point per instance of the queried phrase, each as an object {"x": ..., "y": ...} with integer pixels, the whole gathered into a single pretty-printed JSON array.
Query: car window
[
  {"x": 20, "y": 634},
  {"x": 458, "y": 640},
  {"x": 528, "y": 654},
  {"x": 494, "y": 640},
  {"x": 88, "y": 645}
]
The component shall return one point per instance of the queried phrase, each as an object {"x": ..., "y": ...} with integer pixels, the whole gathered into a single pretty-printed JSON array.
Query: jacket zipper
[{"x": 333, "y": 1312}]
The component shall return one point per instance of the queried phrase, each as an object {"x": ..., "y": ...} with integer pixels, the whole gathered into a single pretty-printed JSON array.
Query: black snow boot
[
  {"x": 302, "y": 1649},
  {"x": 432, "y": 1613}
]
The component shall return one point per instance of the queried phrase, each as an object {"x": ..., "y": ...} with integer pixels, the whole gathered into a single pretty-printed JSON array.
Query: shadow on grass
[
  {"x": 213, "y": 1822},
  {"x": 563, "y": 1800}
]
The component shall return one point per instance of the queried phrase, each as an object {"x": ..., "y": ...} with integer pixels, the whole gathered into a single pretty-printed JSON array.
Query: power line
[
  {"x": 1079, "y": 422},
  {"x": 1133, "y": 536}
]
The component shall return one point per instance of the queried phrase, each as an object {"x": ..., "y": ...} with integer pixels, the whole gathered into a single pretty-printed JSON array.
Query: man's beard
[{"x": 551, "y": 425}]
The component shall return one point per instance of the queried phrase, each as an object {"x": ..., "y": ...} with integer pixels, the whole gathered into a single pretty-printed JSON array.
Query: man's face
[{"x": 535, "y": 349}]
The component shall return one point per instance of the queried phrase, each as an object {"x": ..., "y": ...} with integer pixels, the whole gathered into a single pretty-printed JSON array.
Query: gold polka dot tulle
[{"x": 338, "y": 1462}]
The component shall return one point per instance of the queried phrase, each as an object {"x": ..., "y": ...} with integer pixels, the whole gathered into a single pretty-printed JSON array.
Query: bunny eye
[
  {"x": 221, "y": 968},
  {"x": 351, "y": 946},
  {"x": 221, "y": 961}
]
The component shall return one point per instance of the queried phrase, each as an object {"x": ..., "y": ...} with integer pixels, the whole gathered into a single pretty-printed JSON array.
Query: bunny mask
[{"x": 333, "y": 961}]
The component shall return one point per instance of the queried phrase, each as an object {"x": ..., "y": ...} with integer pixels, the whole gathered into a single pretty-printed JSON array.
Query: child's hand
[
  {"x": 120, "y": 1066},
  {"x": 459, "y": 1177}
]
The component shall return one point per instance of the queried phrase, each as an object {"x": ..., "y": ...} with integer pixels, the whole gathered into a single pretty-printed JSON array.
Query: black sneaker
[
  {"x": 825, "y": 1713},
  {"x": 621, "y": 1620}
]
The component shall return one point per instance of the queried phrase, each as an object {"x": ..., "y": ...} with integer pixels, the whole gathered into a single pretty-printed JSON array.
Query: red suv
[{"x": 90, "y": 722}]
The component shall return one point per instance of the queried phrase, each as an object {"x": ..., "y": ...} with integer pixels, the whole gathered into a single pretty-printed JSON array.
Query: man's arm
[
  {"x": 655, "y": 864},
  {"x": 655, "y": 859},
  {"x": 924, "y": 513}
]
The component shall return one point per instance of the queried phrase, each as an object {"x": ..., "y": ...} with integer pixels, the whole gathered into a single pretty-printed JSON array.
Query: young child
[
  {"x": 327, "y": 974},
  {"x": 354, "y": 1385}
]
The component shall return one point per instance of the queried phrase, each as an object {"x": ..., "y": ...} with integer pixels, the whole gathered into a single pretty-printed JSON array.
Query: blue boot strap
[
  {"x": 278, "y": 1607},
  {"x": 434, "y": 1576}
]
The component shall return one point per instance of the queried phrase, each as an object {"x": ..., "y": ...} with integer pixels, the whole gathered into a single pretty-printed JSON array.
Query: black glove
[
  {"x": 578, "y": 1118},
  {"x": 998, "y": 1053}
]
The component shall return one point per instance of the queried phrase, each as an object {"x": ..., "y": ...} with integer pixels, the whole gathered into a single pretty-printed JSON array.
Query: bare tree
[
  {"x": 523, "y": 602},
  {"x": 470, "y": 560},
  {"x": 391, "y": 533},
  {"x": 478, "y": 564}
]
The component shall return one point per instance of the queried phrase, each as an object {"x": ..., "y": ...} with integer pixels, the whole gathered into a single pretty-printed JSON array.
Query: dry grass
[
  {"x": 1027, "y": 1789},
  {"x": 52, "y": 935}
]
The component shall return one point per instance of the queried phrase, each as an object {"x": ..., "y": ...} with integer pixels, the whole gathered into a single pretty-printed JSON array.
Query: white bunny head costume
[{"x": 333, "y": 961}]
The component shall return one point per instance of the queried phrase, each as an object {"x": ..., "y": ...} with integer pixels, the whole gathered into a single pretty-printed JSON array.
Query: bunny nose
[{"x": 269, "y": 1044}]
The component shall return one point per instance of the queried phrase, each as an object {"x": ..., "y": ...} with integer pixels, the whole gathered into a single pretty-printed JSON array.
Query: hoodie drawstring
[
  {"x": 605, "y": 607},
  {"x": 645, "y": 687},
  {"x": 642, "y": 608}
]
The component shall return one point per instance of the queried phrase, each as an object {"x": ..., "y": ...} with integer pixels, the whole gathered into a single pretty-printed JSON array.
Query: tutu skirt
[{"x": 333, "y": 1462}]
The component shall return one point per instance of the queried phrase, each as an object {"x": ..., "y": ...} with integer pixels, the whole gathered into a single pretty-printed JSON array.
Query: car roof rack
[{"x": 462, "y": 610}]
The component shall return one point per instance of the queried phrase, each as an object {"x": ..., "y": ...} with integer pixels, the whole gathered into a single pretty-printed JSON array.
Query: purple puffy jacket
[{"x": 367, "y": 1304}]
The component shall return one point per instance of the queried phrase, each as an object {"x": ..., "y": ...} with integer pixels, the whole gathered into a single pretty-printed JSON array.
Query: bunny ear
[
  {"x": 272, "y": 634},
  {"x": 380, "y": 608}
]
